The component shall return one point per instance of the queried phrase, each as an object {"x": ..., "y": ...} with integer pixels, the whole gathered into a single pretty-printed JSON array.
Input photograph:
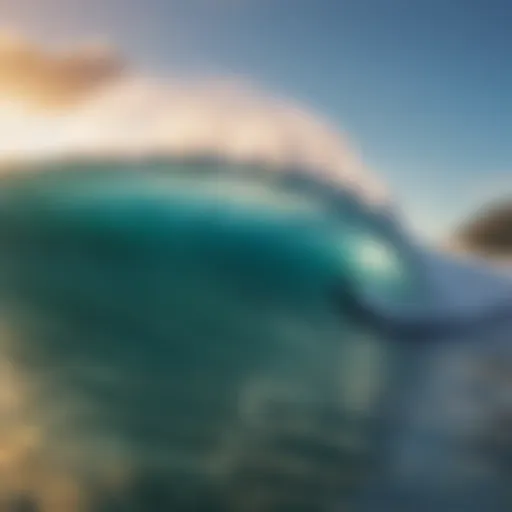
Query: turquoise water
[{"x": 181, "y": 322}]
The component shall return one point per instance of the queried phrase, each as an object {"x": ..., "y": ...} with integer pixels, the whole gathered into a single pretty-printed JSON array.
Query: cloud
[
  {"x": 53, "y": 79},
  {"x": 86, "y": 101}
]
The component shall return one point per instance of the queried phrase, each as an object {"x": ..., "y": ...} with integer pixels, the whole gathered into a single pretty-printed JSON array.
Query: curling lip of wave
[
  {"x": 88, "y": 101},
  {"x": 136, "y": 116}
]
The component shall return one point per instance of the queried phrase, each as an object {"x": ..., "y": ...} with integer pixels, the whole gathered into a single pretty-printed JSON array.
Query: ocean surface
[{"x": 183, "y": 336}]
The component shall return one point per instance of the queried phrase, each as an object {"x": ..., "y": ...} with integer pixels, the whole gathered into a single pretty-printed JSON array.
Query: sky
[{"x": 421, "y": 88}]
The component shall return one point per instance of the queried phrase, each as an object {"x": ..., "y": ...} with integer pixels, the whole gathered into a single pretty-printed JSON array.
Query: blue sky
[{"x": 422, "y": 87}]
